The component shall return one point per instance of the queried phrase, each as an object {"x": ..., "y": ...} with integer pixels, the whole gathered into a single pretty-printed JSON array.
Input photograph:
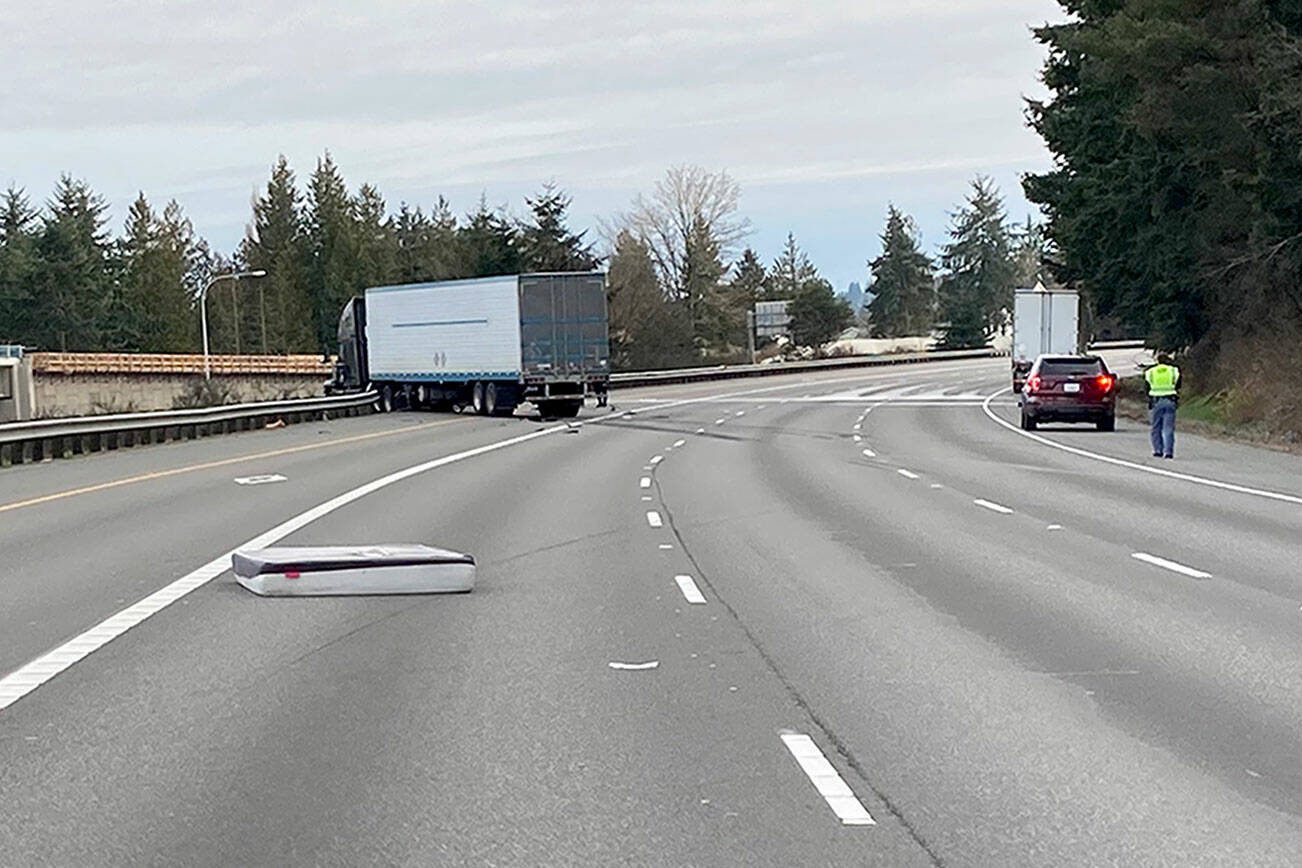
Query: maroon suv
[{"x": 1069, "y": 389}]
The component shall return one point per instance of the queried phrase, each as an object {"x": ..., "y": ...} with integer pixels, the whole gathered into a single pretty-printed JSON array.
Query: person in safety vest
[{"x": 1163, "y": 381}]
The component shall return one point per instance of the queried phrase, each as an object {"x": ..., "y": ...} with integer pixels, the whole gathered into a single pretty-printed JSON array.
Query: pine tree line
[
  {"x": 67, "y": 284},
  {"x": 967, "y": 296},
  {"x": 680, "y": 287}
]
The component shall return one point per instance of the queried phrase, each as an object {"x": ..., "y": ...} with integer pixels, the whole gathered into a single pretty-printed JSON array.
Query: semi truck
[
  {"x": 488, "y": 344},
  {"x": 1045, "y": 322}
]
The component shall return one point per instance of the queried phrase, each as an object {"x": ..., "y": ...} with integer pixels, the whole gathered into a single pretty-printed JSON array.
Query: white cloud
[{"x": 847, "y": 103}]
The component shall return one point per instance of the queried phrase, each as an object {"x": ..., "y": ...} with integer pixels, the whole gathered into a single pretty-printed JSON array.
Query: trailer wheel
[
  {"x": 422, "y": 396},
  {"x": 386, "y": 399},
  {"x": 477, "y": 400},
  {"x": 567, "y": 409},
  {"x": 499, "y": 400}
]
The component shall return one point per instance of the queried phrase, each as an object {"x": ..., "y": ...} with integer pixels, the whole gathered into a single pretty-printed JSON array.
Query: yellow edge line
[{"x": 60, "y": 495}]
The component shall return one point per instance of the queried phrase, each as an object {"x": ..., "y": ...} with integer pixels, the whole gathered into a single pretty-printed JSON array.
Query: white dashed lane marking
[
  {"x": 678, "y": 443},
  {"x": 691, "y": 593},
  {"x": 868, "y": 453},
  {"x": 993, "y": 507},
  {"x": 653, "y": 519},
  {"x": 830, "y": 785},
  {"x": 907, "y": 474},
  {"x": 656, "y": 460},
  {"x": 1170, "y": 565},
  {"x": 644, "y": 482}
]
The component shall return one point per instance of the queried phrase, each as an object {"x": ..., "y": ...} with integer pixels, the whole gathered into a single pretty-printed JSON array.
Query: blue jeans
[{"x": 1161, "y": 418}]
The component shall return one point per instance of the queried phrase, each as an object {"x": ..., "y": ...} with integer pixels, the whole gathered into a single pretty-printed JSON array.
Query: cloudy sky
[{"x": 825, "y": 111}]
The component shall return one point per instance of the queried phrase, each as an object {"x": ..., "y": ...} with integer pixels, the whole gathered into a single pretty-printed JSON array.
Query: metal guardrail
[
  {"x": 725, "y": 372},
  {"x": 42, "y": 439}
]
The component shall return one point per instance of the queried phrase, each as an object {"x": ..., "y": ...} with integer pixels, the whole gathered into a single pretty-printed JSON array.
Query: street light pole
[{"x": 203, "y": 309}]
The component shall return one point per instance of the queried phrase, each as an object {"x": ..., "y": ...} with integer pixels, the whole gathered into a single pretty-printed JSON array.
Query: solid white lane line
[
  {"x": 1170, "y": 565},
  {"x": 691, "y": 593},
  {"x": 1171, "y": 474},
  {"x": 653, "y": 519},
  {"x": 25, "y": 679},
  {"x": 993, "y": 507},
  {"x": 644, "y": 482},
  {"x": 656, "y": 460},
  {"x": 868, "y": 453},
  {"x": 678, "y": 443},
  {"x": 830, "y": 785},
  {"x": 907, "y": 474}
]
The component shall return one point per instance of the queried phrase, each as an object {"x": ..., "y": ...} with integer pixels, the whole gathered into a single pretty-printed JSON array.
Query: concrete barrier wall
[
  {"x": 88, "y": 384},
  {"x": 58, "y": 395}
]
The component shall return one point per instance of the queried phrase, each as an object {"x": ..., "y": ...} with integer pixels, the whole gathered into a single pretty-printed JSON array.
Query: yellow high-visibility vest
[{"x": 1162, "y": 380}]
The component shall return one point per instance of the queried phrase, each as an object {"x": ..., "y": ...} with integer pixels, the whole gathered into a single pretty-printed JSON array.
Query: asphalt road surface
[{"x": 887, "y": 628}]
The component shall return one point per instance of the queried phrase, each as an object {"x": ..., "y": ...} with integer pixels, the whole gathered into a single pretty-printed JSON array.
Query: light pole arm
[{"x": 203, "y": 310}]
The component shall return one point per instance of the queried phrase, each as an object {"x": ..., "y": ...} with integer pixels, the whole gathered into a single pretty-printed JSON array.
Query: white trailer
[
  {"x": 488, "y": 343},
  {"x": 1045, "y": 322}
]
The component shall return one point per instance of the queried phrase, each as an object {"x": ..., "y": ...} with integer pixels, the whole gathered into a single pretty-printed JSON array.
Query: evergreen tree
[
  {"x": 749, "y": 279},
  {"x": 790, "y": 272},
  {"x": 647, "y": 330},
  {"x": 976, "y": 290},
  {"x": 333, "y": 272},
  {"x": 489, "y": 243},
  {"x": 73, "y": 279},
  {"x": 17, "y": 266},
  {"x": 376, "y": 246},
  {"x": 703, "y": 296},
  {"x": 818, "y": 314},
  {"x": 283, "y": 319},
  {"x": 545, "y": 242},
  {"x": 1031, "y": 254},
  {"x": 903, "y": 284}
]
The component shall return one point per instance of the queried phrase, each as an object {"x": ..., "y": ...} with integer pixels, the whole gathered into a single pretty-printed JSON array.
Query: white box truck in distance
[
  {"x": 487, "y": 343},
  {"x": 1045, "y": 322}
]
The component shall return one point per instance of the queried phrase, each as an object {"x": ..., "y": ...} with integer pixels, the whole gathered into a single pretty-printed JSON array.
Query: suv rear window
[{"x": 1070, "y": 367}]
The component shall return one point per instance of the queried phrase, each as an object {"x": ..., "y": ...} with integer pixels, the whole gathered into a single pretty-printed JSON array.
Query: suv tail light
[
  {"x": 1033, "y": 384},
  {"x": 1105, "y": 383}
]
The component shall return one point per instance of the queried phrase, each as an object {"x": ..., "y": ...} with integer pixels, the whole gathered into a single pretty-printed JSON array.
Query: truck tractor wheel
[
  {"x": 477, "y": 399},
  {"x": 1028, "y": 421},
  {"x": 1108, "y": 422},
  {"x": 386, "y": 399}
]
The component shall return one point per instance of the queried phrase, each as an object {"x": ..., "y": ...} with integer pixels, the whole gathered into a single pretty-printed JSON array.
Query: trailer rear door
[{"x": 563, "y": 326}]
